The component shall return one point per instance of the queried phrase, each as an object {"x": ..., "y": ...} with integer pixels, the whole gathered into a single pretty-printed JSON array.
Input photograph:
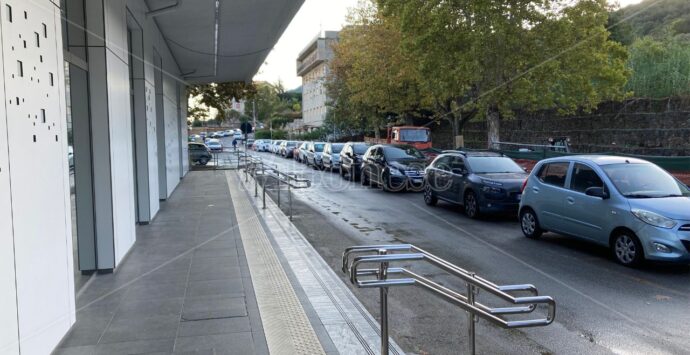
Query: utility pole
[{"x": 254, "y": 114}]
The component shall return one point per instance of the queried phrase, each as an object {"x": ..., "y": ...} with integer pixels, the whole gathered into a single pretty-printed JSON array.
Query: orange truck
[{"x": 419, "y": 137}]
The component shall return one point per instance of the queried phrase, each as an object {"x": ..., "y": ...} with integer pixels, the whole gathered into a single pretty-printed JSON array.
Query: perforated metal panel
[{"x": 38, "y": 171}]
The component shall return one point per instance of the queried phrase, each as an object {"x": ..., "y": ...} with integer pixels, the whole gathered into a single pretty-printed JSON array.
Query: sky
[{"x": 314, "y": 16}]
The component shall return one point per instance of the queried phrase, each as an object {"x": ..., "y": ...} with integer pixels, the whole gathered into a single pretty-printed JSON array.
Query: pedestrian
[{"x": 234, "y": 144}]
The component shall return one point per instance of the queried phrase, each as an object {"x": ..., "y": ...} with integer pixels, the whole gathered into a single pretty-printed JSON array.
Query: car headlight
[
  {"x": 395, "y": 172},
  {"x": 654, "y": 219}
]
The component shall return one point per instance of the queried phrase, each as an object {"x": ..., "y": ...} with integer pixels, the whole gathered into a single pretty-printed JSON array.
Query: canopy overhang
[{"x": 221, "y": 40}]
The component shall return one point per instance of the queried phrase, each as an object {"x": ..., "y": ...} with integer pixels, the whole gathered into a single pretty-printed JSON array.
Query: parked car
[
  {"x": 238, "y": 136},
  {"x": 249, "y": 143},
  {"x": 275, "y": 147},
  {"x": 214, "y": 145},
  {"x": 286, "y": 148},
  {"x": 295, "y": 150},
  {"x": 351, "y": 159},
  {"x": 314, "y": 151},
  {"x": 302, "y": 152},
  {"x": 217, "y": 134},
  {"x": 228, "y": 133},
  {"x": 195, "y": 138},
  {"x": 481, "y": 182},
  {"x": 635, "y": 208},
  {"x": 331, "y": 156},
  {"x": 261, "y": 145},
  {"x": 199, "y": 153},
  {"x": 393, "y": 167}
]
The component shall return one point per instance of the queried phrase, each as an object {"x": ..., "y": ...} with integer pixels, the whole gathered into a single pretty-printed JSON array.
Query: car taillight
[{"x": 524, "y": 184}]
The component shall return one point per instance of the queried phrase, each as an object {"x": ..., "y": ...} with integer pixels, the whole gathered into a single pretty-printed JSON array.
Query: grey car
[
  {"x": 314, "y": 152},
  {"x": 482, "y": 182},
  {"x": 631, "y": 206},
  {"x": 331, "y": 156}
]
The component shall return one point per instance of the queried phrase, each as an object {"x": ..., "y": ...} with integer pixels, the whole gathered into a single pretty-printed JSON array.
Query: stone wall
[{"x": 639, "y": 126}]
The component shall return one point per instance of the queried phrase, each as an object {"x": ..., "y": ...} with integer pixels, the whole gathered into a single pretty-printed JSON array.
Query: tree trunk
[{"x": 493, "y": 123}]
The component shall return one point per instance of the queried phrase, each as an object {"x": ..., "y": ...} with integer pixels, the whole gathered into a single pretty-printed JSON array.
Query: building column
[{"x": 111, "y": 131}]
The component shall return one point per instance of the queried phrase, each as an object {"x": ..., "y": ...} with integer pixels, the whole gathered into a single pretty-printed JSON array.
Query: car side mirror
[{"x": 597, "y": 192}]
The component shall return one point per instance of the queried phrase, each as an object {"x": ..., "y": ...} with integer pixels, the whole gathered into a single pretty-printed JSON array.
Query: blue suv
[{"x": 482, "y": 182}]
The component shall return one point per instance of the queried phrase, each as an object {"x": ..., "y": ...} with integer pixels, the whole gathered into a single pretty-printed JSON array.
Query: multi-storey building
[{"x": 312, "y": 66}]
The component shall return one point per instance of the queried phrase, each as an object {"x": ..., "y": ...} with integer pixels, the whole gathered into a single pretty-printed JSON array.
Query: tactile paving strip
[{"x": 285, "y": 323}]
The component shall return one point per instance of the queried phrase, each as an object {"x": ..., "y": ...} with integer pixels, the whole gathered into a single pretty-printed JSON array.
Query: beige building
[{"x": 312, "y": 66}]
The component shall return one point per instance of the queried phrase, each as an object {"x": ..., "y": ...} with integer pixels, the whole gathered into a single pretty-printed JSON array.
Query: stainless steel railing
[
  {"x": 256, "y": 166},
  {"x": 379, "y": 277}
]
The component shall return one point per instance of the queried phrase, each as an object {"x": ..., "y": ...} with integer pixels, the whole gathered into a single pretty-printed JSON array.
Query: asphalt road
[{"x": 601, "y": 307}]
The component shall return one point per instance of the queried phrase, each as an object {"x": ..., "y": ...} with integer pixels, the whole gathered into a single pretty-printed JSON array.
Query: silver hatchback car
[{"x": 632, "y": 206}]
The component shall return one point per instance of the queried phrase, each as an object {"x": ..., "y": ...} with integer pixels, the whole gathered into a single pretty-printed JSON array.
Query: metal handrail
[
  {"x": 289, "y": 179},
  {"x": 386, "y": 254}
]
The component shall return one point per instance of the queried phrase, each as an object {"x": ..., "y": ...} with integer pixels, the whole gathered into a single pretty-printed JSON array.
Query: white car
[
  {"x": 261, "y": 145},
  {"x": 237, "y": 135}
]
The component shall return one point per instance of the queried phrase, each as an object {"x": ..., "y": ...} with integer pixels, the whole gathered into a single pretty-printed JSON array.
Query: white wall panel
[
  {"x": 183, "y": 130},
  {"x": 152, "y": 147},
  {"x": 35, "y": 118},
  {"x": 172, "y": 157},
  {"x": 119, "y": 111},
  {"x": 9, "y": 336}
]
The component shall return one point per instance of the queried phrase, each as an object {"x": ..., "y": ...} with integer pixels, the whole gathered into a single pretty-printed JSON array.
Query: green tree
[
  {"x": 379, "y": 79},
  {"x": 220, "y": 95},
  {"x": 660, "y": 68},
  {"x": 497, "y": 56}
]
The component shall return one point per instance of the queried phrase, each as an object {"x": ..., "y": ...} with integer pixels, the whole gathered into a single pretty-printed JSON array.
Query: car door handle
[
  {"x": 535, "y": 189},
  {"x": 570, "y": 200}
]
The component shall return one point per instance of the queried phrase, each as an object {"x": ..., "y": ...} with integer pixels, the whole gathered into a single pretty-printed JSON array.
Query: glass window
[
  {"x": 318, "y": 147},
  {"x": 457, "y": 165},
  {"x": 336, "y": 148},
  {"x": 402, "y": 152},
  {"x": 414, "y": 135},
  {"x": 584, "y": 177},
  {"x": 644, "y": 181},
  {"x": 493, "y": 165},
  {"x": 360, "y": 148},
  {"x": 554, "y": 173},
  {"x": 443, "y": 163}
]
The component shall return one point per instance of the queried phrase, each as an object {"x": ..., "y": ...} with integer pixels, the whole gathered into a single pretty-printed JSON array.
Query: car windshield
[
  {"x": 291, "y": 144},
  {"x": 414, "y": 135},
  {"x": 493, "y": 165},
  {"x": 360, "y": 148},
  {"x": 318, "y": 147},
  {"x": 336, "y": 148},
  {"x": 644, "y": 181},
  {"x": 400, "y": 153}
]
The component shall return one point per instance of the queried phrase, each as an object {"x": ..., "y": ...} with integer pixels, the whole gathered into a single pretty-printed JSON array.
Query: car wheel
[
  {"x": 429, "y": 195},
  {"x": 471, "y": 205},
  {"x": 530, "y": 224},
  {"x": 203, "y": 161},
  {"x": 627, "y": 249},
  {"x": 364, "y": 179}
]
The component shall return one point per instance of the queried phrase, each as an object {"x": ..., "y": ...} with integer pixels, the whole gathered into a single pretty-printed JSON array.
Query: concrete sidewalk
[{"x": 187, "y": 286}]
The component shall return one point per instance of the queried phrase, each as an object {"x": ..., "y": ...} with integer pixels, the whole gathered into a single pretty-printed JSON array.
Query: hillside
[{"x": 658, "y": 19}]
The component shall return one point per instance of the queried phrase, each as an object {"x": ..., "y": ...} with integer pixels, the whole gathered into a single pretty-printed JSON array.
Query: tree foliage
[
  {"x": 660, "y": 68},
  {"x": 503, "y": 55}
]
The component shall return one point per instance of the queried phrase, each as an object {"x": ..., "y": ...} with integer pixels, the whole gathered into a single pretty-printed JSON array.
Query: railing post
[
  {"x": 290, "y": 197},
  {"x": 471, "y": 317},
  {"x": 383, "y": 291},
  {"x": 256, "y": 182},
  {"x": 263, "y": 187},
  {"x": 278, "y": 173}
]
